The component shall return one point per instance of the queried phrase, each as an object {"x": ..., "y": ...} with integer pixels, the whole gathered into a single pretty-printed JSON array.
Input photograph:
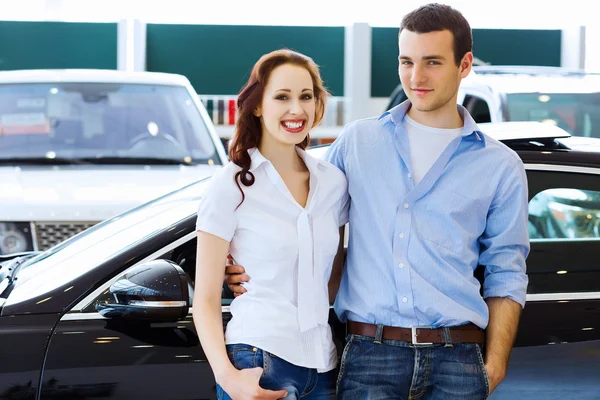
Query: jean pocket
[
  {"x": 484, "y": 374},
  {"x": 349, "y": 339},
  {"x": 267, "y": 361},
  {"x": 244, "y": 357},
  {"x": 278, "y": 374}
]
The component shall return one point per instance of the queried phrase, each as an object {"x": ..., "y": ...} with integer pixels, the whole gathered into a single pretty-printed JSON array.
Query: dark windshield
[
  {"x": 576, "y": 113},
  {"x": 102, "y": 121}
]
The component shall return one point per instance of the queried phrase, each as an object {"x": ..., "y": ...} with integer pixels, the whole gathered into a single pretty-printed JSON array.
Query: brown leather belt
[{"x": 469, "y": 333}]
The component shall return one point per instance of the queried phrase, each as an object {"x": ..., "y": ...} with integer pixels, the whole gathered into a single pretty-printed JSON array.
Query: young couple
[{"x": 422, "y": 218}]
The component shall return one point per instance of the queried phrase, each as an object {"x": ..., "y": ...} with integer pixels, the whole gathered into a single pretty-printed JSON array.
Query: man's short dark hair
[{"x": 439, "y": 17}]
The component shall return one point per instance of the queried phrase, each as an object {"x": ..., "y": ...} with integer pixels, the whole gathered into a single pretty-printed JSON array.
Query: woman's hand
[{"x": 243, "y": 385}]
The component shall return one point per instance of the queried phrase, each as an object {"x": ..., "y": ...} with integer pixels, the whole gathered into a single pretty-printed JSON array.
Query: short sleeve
[
  {"x": 217, "y": 210},
  {"x": 344, "y": 209},
  {"x": 342, "y": 205},
  {"x": 335, "y": 154}
]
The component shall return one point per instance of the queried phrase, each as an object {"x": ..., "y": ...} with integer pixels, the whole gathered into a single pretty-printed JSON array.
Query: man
[{"x": 432, "y": 198}]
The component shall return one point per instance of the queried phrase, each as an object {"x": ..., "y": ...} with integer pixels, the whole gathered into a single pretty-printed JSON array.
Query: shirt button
[
  {"x": 401, "y": 235},
  {"x": 404, "y": 299},
  {"x": 405, "y": 205},
  {"x": 410, "y": 175},
  {"x": 401, "y": 265}
]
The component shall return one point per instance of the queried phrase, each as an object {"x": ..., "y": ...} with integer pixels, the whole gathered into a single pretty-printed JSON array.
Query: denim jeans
[
  {"x": 300, "y": 383},
  {"x": 398, "y": 370}
]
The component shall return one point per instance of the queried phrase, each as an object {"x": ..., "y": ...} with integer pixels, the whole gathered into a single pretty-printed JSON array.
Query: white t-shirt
[
  {"x": 286, "y": 250},
  {"x": 426, "y": 144}
]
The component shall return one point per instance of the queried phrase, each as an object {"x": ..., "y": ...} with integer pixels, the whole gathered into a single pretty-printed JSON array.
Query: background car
[
  {"x": 559, "y": 96},
  {"x": 81, "y": 146},
  {"x": 106, "y": 314}
]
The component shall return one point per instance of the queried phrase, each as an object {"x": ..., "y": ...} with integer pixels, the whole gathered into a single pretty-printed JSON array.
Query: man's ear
[{"x": 466, "y": 64}]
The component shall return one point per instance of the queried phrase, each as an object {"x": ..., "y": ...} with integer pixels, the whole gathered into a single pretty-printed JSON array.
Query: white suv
[
  {"x": 569, "y": 99},
  {"x": 81, "y": 146}
]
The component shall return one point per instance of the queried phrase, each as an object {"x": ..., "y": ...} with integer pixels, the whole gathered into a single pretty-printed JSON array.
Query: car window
[
  {"x": 397, "y": 97},
  {"x": 563, "y": 228},
  {"x": 577, "y": 113},
  {"x": 478, "y": 108},
  {"x": 185, "y": 257},
  {"x": 102, "y": 120},
  {"x": 565, "y": 213}
]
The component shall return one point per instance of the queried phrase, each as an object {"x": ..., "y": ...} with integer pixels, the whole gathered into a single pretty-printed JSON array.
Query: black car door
[
  {"x": 557, "y": 351},
  {"x": 563, "y": 266},
  {"x": 90, "y": 356},
  {"x": 23, "y": 341}
]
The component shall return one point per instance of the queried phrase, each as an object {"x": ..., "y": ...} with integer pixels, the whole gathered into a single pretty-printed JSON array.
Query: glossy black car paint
[
  {"x": 61, "y": 298},
  {"x": 44, "y": 355},
  {"x": 156, "y": 291}
]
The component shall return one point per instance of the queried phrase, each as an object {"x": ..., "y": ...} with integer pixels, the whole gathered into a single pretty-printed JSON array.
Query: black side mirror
[{"x": 155, "y": 291}]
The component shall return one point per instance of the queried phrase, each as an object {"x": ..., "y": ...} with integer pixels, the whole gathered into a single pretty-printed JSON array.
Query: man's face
[{"x": 428, "y": 71}]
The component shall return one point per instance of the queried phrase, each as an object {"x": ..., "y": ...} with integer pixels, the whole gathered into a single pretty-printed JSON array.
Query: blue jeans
[
  {"x": 300, "y": 383},
  {"x": 398, "y": 370}
]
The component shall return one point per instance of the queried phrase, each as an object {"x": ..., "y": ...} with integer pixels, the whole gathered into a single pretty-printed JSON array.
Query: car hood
[{"x": 87, "y": 193}]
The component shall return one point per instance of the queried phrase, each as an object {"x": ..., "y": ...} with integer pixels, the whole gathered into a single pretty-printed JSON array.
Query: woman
[{"x": 277, "y": 211}]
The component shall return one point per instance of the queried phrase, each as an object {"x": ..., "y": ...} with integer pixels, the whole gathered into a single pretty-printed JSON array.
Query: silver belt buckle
[{"x": 413, "y": 333}]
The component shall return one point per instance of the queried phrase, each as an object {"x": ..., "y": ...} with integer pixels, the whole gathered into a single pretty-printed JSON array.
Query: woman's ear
[{"x": 257, "y": 112}]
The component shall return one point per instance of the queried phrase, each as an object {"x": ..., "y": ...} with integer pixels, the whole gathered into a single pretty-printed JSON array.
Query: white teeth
[{"x": 293, "y": 125}]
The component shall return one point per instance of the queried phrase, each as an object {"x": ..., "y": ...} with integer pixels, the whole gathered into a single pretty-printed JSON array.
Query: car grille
[{"x": 49, "y": 234}]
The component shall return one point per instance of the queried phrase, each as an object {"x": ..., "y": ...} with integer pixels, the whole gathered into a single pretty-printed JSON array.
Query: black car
[{"x": 107, "y": 313}]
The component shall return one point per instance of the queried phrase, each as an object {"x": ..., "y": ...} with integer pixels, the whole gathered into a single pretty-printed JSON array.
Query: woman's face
[{"x": 287, "y": 110}]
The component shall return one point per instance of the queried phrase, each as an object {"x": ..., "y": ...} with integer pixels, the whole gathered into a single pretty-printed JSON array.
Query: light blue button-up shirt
[{"x": 413, "y": 248}]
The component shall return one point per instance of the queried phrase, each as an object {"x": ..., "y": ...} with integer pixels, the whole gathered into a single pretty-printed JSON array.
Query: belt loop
[
  {"x": 378, "y": 334},
  {"x": 447, "y": 337}
]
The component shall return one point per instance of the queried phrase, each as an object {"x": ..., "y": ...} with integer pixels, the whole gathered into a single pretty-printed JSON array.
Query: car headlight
[
  {"x": 575, "y": 222},
  {"x": 15, "y": 237}
]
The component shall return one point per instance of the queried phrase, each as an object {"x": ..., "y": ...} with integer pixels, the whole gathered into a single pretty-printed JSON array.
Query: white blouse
[{"x": 286, "y": 250}]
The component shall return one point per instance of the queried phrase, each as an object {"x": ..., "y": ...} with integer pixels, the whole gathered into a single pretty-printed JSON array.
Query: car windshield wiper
[
  {"x": 9, "y": 267},
  {"x": 42, "y": 161},
  {"x": 138, "y": 160},
  {"x": 95, "y": 160}
]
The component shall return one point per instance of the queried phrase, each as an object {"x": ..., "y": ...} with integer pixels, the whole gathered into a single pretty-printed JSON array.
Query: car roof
[
  {"x": 510, "y": 131},
  {"x": 524, "y": 79},
  {"x": 583, "y": 144},
  {"x": 91, "y": 75},
  {"x": 528, "y": 70},
  {"x": 522, "y": 130},
  {"x": 535, "y": 142}
]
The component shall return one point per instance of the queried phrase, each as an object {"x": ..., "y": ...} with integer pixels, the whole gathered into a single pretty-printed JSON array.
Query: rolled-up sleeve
[
  {"x": 505, "y": 241},
  {"x": 217, "y": 210}
]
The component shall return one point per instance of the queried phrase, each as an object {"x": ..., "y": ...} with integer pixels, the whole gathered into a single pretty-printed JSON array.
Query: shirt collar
[
  {"x": 396, "y": 115},
  {"x": 256, "y": 158},
  {"x": 313, "y": 164}
]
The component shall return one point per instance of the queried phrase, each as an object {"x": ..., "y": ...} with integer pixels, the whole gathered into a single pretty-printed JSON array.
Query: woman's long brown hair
[{"x": 248, "y": 130}]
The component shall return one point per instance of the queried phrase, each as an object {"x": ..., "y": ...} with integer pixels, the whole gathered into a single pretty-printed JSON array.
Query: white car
[
  {"x": 81, "y": 146},
  {"x": 559, "y": 96}
]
